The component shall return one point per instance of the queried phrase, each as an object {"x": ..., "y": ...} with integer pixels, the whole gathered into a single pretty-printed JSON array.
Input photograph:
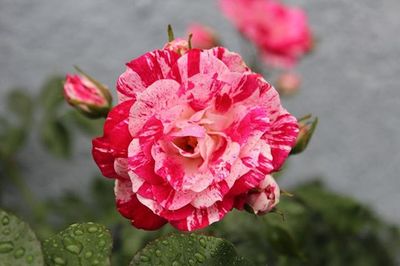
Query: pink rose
[
  {"x": 191, "y": 136},
  {"x": 86, "y": 95},
  {"x": 203, "y": 36},
  {"x": 265, "y": 197},
  {"x": 280, "y": 32}
]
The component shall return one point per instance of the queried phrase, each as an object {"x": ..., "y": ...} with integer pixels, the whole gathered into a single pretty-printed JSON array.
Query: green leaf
[
  {"x": 188, "y": 249},
  {"x": 307, "y": 128},
  {"x": 20, "y": 103},
  {"x": 11, "y": 141},
  {"x": 18, "y": 243},
  {"x": 281, "y": 239},
  {"x": 56, "y": 138},
  {"x": 51, "y": 95},
  {"x": 79, "y": 244},
  {"x": 353, "y": 216}
]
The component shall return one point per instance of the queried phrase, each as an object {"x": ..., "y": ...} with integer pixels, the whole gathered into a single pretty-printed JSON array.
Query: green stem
[{"x": 37, "y": 208}]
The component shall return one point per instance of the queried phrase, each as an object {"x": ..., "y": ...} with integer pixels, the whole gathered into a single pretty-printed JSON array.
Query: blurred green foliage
[{"x": 314, "y": 227}]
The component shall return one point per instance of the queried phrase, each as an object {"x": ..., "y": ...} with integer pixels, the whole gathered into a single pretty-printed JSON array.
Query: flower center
[{"x": 188, "y": 143}]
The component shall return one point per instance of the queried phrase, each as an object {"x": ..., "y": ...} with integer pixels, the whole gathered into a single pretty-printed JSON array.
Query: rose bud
[
  {"x": 87, "y": 95},
  {"x": 179, "y": 46},
  {"x": 306, "y": 130},
  {"x": 264, "y": 198},
  {"x": 288, "y": 83},
  {"x": 203, "y": 37}
]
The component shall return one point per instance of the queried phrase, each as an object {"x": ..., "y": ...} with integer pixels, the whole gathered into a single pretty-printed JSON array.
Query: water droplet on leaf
[
  {"x": 29, "y": 259},
  {"x": 59, "y": 261},
  {"x": 6, "y": 246},
  {"x": 19, "y": 253},
  {"x": 92, "y": 229},
  {"x": 6, "y": 231},
  {"x": 88, "y": 254},
  {"x": 199, "y": 257},
  {"x": 76, "y": 249},
  {"x": 5, "y": 220},
  {"x": 203, "y": 242}
]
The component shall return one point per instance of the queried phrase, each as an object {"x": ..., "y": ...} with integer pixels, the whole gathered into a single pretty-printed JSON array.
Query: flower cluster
[
  {"x": 280, "y": 32},
  {"x": 195, "y": 134}
]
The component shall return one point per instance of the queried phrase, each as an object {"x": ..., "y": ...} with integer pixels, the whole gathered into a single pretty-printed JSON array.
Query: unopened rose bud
[
  {"x": 87, "y": 95},
  {"x": 307, "y": 127},
  {"x": 288, "y": 83},
  {"x": 203, "y": 37},
  {"x": 264, "y": 198},
  {"x": 179, "y": 45}
]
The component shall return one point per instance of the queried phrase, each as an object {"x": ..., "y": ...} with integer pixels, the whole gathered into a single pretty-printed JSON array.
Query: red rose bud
[
  {"x": 87, "y": 95},
  {"x": 288, "y": 83},
  {"x": 203, "y": 37},
  {"x": 307, "y": 127},
  {"x": 264, "y": 198}
]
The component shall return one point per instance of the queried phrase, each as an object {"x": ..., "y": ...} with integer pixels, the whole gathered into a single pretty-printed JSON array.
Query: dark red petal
[
  {"x": 103, "y": 156},
  {"x": 130, "y": 207}
]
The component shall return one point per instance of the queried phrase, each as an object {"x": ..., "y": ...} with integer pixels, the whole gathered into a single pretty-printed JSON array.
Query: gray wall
[{"x": 351, "y": 81}]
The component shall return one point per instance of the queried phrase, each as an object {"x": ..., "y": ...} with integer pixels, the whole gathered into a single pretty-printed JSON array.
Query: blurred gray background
[{"x": 352, "y": 81}]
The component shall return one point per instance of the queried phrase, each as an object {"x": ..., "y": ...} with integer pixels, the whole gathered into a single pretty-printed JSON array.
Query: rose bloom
[
  {"x": 280, "y": 32},
  {"x": 191, "y": 136},
  {"x": 203, "y": 37}
]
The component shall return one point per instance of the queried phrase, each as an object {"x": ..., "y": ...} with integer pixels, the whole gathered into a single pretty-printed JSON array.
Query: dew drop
[
  {"x": 6, "y": 246},
  {"x": 29, "y": 259},
  {"x": 199, "y": 257},
  {"x": 102, "y": 243},
  {"x": 5, "y": 220},
  {"x": 59, "y": 261},
  {"x": 19, "y": 253},
  {"x": 88, "y": 254},
  {"x": 203, "y": 242},
  {"x": 78, "y": 232},
  {"x": 76, "y": 249},
  {"x": 144, "y": 258},
  {"x": 92, "y": 229},
  {"x": 6, "y": 231}
]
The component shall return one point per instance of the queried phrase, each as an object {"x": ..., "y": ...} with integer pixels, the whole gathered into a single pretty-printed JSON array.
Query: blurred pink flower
[
  {"x": 288, "y": 83},
  {"x": 280, "y": 32},
  {"x": 203, "y": 37}
]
